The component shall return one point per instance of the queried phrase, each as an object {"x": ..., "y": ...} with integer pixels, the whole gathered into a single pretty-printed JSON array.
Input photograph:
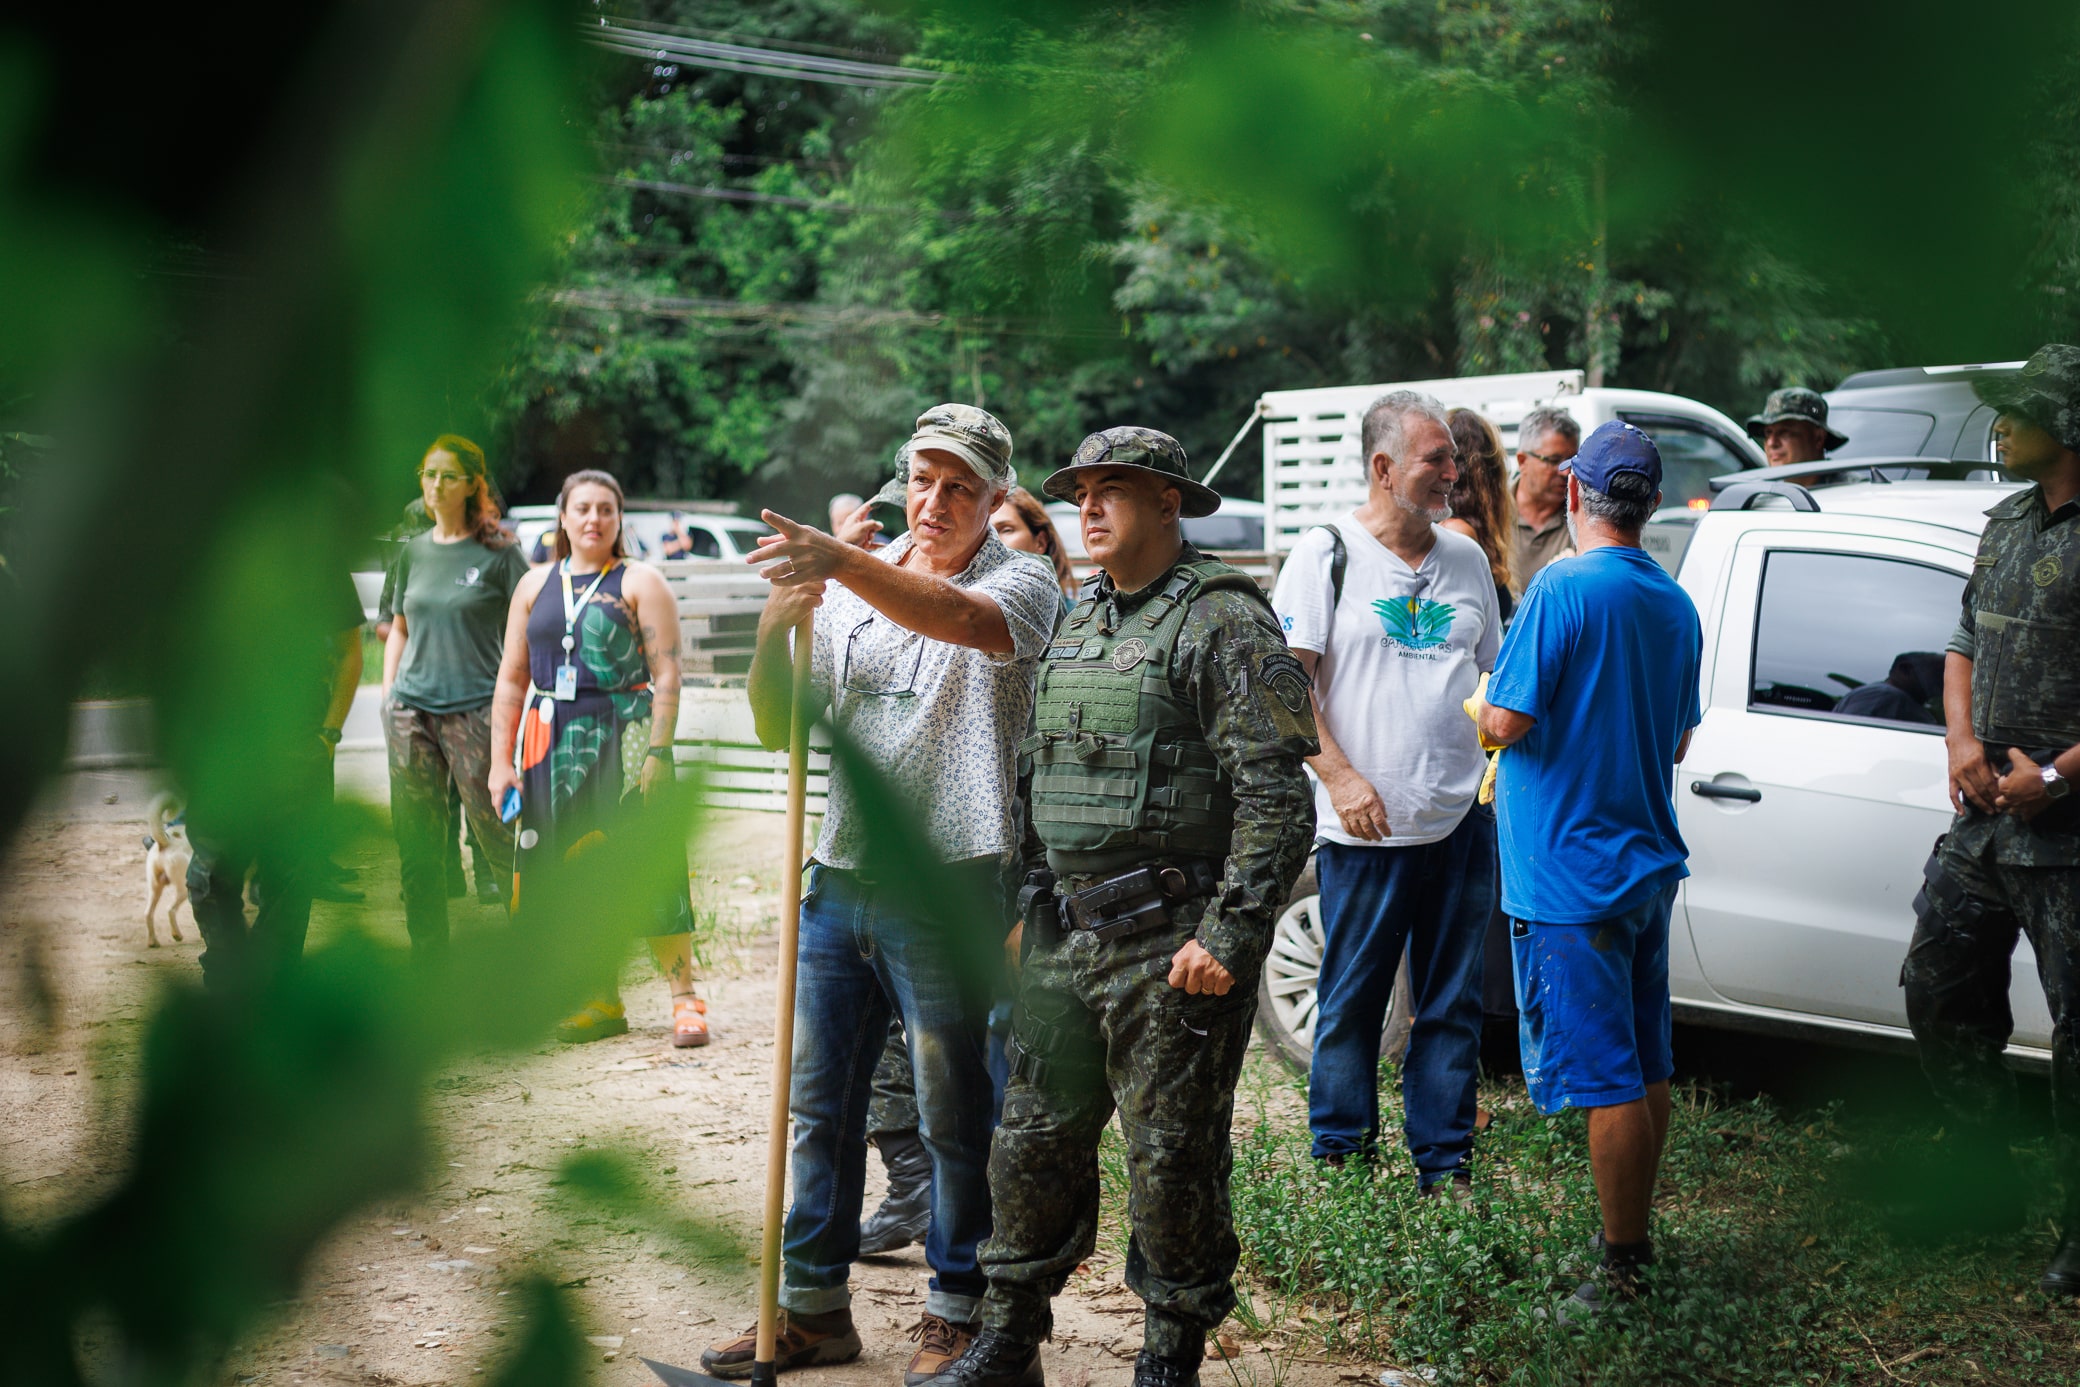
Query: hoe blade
[{"x": 683, "y": 1377}]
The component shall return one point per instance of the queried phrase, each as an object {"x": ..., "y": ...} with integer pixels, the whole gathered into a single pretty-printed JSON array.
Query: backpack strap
[{"x": 1339, "y": 560}]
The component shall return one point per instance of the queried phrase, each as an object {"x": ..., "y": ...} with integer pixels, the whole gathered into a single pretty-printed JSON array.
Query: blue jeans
[
  {"x": 1433, "y": 899},
  {"x": 859, "y": 960}
]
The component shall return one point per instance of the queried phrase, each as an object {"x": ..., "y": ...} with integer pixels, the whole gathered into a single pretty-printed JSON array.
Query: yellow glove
[{"x": 1473, "y": 708}]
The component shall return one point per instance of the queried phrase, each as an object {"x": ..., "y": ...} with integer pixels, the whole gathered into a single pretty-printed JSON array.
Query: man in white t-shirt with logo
[{"x": 1395, "y": 618}]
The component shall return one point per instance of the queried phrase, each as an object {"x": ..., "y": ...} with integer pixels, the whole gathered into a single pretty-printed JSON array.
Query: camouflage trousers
[
  {"x": 429, "y": 753},
  {"x": 1097, "y": 1028},
  {"x": 892, "y": 1111},
  {"x": 1956, "y": 977}
]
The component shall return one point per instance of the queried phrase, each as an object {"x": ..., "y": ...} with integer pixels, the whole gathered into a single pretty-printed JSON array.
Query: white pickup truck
[
  {"x": 1808, "y": 821},
  {"x": 1312, "y": 472}
]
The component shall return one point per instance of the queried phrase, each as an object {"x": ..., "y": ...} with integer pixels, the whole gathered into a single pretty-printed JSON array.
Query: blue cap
[{"x": 1614, "y": 448}]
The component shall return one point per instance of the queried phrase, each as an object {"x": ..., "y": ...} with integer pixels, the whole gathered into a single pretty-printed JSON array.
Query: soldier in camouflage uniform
[
  {"x": 1167, "y": 792},
  {"x": 2010, "y": 863},
  {"x": 1792, "y": 427}
]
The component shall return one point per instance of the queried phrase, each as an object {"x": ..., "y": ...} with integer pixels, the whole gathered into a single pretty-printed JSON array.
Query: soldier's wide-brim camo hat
[
  {"x": 1795, "y": 403},
  {"x": 970, "y": 434},
  {"x": 1145, "y": 450},
  {"x": 2046, "y": 391}
]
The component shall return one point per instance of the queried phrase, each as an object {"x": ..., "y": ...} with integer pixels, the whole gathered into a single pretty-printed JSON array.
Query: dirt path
[{"x": 413, "y": 1293}]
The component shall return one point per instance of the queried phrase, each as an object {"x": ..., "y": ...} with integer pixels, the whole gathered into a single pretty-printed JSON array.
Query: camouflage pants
[
  {"x": 429, "y": 752},
  {"x": 892, "y": 1111},
  {"x": 1098, "y": 1028},
  {"x": 1957, "y": 977}
]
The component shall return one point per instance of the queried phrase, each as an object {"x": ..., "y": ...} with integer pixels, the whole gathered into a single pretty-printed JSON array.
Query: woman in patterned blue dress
[{"x": 588, "y": 697}]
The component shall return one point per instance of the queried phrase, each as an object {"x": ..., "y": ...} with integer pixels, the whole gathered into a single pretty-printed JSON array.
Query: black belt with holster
[{"x": 1122, "y": 903}]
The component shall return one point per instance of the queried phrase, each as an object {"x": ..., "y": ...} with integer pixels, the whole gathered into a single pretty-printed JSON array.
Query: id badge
[{"x": 566, "y": 683}]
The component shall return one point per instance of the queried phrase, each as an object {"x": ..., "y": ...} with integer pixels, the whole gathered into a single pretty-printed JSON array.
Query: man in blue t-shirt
[{"x": 1594, "y": 695}]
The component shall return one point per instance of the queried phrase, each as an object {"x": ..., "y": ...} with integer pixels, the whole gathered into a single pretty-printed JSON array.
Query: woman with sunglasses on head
[
  {"x": 452, "y": 584},
  {"x": 588, "y": 697}
]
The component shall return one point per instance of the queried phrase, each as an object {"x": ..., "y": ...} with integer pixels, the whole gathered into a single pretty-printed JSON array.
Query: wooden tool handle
[{"x": 783, "y": 1005}]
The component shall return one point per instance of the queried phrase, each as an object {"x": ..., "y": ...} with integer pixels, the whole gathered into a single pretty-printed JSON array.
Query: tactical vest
[
  {"x": 2025, "y": 601},
  {"x": 1121, "y": 769}
]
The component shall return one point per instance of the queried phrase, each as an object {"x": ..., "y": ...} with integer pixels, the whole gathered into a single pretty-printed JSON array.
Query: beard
[{"x": 1436, "y": 515}]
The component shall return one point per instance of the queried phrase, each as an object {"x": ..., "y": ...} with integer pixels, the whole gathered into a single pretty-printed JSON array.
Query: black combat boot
[
  {"x": 993, "y": 1360},
  {"x": 1154, "y": 1370},
  {"x": 907, "y": 1212},
  {"x": 2062, "y": 1277}
]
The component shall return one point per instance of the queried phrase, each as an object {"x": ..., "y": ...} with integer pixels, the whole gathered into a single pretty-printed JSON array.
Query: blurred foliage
[
  {"x": 240, "y": 298},
  {"x": 1156, "y": 211}
]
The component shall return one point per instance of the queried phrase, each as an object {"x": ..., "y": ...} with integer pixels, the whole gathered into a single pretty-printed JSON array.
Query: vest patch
[
  {"x": 2044, "y": 572},
  {"x": 1129, "y": 653}
]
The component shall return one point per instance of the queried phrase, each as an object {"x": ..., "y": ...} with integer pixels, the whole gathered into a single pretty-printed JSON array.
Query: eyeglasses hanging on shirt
[{"x": 880, "y": 666}]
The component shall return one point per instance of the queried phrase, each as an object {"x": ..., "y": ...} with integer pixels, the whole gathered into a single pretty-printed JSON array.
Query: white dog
[{"x": 166, "y": 864}]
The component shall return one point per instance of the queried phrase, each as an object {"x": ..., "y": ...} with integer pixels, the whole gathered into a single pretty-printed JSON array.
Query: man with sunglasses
[
  {"x": 925, "y": 653},
  {"x": 1170, "y": 809},
  {"x": 1547, "y": 439}
]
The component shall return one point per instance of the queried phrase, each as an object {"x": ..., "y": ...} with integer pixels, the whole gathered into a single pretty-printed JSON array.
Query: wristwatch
[
  {"x": 2056, "y": 785},
  {"x": 329, "y": 734},
  {"x": 664, "y": 751}
]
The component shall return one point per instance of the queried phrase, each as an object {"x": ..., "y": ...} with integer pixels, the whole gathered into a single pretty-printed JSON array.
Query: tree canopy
[{"x": 1155, "y": 212}]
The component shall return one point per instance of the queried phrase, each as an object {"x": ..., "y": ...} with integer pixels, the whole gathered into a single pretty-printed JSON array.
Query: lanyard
[{"x": 572, "y": 609}]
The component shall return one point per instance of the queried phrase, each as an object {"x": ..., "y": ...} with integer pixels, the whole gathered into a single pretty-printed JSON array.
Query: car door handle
[{"x": 1708, "y": 790}]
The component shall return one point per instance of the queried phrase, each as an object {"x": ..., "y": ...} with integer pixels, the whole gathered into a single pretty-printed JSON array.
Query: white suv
[{"x": 1808, "y": 822}]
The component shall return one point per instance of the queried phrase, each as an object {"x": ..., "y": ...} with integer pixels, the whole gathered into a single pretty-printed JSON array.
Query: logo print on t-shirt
[{"x": 1415, "y": 623}]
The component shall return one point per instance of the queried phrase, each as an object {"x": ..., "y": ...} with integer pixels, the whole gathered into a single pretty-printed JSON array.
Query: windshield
[{"x": 1881, "y": 433}]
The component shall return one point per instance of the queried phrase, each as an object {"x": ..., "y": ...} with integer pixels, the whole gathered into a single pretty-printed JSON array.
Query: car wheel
[{"x": 1286, "y": 995}]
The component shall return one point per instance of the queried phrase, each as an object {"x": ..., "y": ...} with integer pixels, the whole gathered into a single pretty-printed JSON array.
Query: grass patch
[{"x": 1771, "y": 1270}]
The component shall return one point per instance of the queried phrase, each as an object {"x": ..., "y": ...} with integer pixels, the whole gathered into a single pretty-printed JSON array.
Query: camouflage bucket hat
[
  {"x": 1794, "y": 403},
  {"x": 970, "y": 434},
  {"x": 894, "y": 496},
  {"x": 1143, "y": 449},
  {"x": 2046, "y": 391}
]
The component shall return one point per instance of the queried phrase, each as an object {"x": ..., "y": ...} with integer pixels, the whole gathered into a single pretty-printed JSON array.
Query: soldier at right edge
[{"x": 2010, "y": 864}]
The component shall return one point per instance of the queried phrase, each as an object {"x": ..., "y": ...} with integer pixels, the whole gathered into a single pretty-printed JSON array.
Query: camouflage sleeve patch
[{"x": 1287, "y": 679}]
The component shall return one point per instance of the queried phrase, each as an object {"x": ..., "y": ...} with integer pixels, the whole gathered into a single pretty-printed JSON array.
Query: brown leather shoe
[
  {"x": 802, "y": 1341},
  {"x": 939, "y": 1342}
]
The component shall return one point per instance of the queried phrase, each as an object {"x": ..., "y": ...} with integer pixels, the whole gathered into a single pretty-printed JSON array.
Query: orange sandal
[{"x": 689, "y": 1021}]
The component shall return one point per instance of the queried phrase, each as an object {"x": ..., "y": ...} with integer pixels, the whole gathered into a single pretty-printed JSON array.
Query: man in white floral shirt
[{"x": 925, "y": 654}]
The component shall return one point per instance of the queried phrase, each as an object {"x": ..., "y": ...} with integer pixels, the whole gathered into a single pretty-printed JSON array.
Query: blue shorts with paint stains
[{"x": 1593, "y": 1006}]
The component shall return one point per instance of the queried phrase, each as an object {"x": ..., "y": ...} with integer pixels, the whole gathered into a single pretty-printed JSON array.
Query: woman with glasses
[
  {"x": 453, "y": 584},
  {"x": 588, "y": 697}
]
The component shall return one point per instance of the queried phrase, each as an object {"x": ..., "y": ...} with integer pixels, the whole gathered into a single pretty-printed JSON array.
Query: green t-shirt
[{"x": 454, "y": 599}]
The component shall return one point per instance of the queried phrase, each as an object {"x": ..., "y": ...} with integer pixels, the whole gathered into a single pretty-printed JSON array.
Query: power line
[
  {"x": 825, "y": 317},
  {"x": 761, "y": 62},
  {"x": 731, "y": 36},
  {"x": 652, "y": 185}
]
